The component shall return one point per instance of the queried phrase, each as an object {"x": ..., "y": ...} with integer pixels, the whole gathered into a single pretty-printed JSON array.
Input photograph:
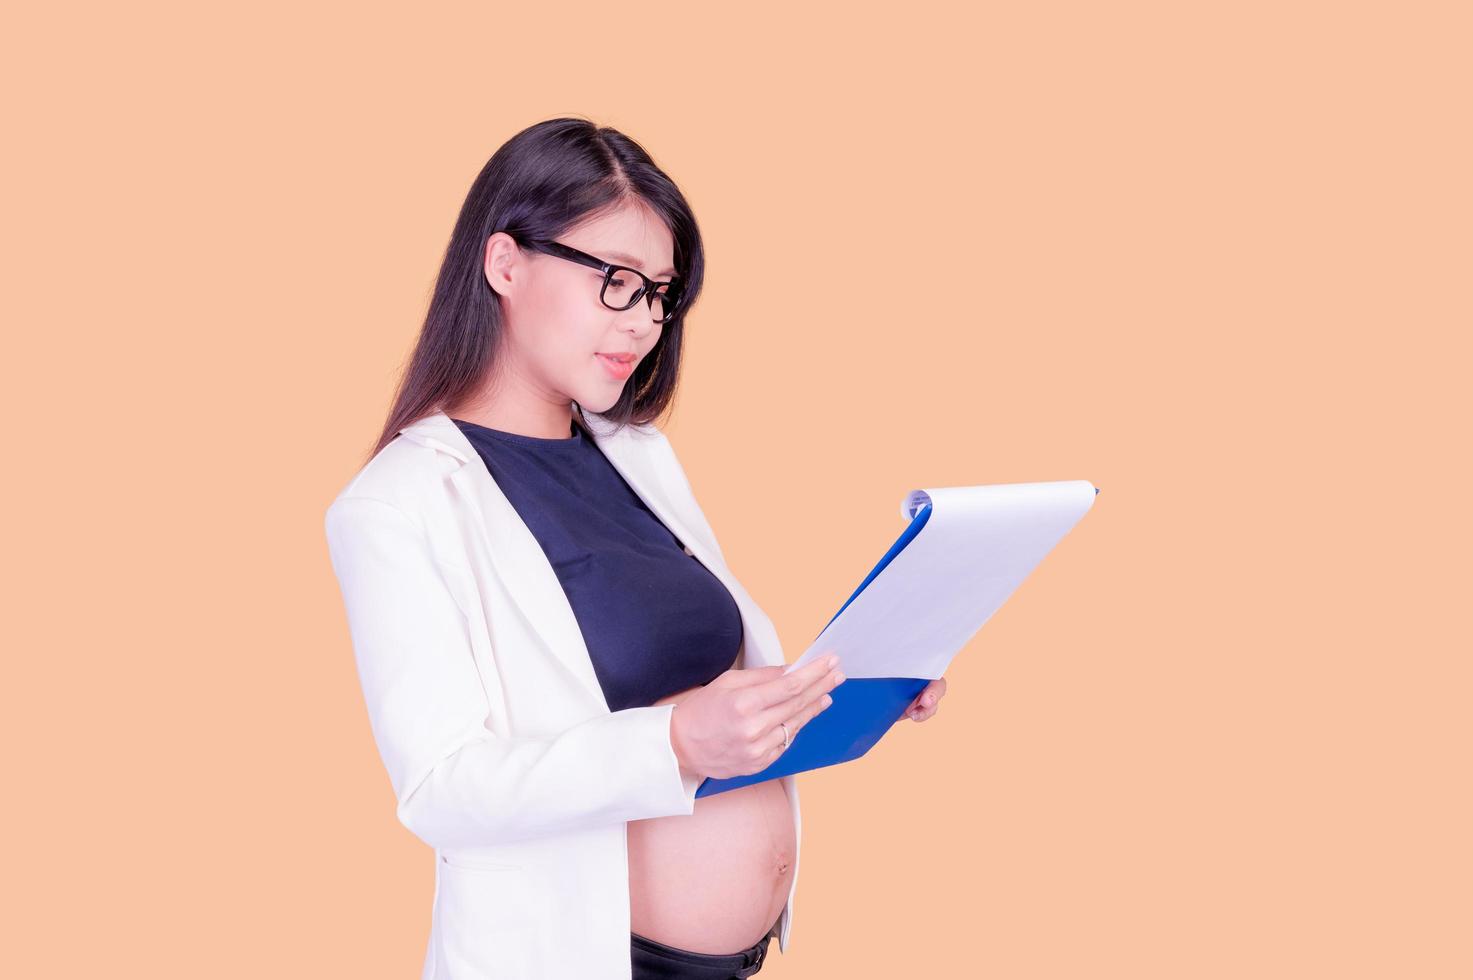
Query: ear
[{"x": 500, "y": 263}]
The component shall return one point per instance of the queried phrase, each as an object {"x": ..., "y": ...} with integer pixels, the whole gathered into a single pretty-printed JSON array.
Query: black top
[{"x": 655, "y": 620}]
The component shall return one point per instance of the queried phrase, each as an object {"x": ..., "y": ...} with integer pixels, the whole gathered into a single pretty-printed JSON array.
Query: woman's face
[{"x": 556, "y": 325}]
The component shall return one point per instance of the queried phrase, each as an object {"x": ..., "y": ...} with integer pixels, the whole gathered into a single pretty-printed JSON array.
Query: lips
[{"x": 618, "y": 366}]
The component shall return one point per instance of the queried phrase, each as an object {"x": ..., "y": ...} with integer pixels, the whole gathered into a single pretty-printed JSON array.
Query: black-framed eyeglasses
[{"x": 622, "y": 286}]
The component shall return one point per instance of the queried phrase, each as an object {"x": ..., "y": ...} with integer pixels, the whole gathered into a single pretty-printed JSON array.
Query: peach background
[{"x": 1213, "y": 259}]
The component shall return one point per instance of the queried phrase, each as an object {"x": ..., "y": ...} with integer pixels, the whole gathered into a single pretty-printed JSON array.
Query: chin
[{"x": 599, "y": 402}]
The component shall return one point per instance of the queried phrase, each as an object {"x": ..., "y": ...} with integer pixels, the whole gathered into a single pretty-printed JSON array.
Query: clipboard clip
[{"x": 913, "y": 502}]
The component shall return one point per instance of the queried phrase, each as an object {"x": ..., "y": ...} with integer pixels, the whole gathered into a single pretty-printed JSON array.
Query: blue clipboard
[{"x": 863, "y": 708}]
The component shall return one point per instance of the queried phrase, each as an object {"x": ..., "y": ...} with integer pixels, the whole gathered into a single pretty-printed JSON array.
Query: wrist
[{"x": 677, "y": 745}]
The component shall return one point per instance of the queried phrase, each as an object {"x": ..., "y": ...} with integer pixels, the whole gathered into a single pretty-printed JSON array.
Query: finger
[
  {"x": 930, "y": 696},
  {"x": 921, "y": 713},
  {"x": 789, "y": 708},
  {"x": 804, "y": 714},
  {"x": 755, "y": 675},
  {"x": 794, "y": 725},
  {"x": 785, "y": 687}
]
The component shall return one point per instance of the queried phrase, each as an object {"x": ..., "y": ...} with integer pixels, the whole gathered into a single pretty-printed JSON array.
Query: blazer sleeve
[{"x": 457, "y": 783}]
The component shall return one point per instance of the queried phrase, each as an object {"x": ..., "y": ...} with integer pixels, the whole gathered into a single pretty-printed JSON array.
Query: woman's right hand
[{"x": 730, "y": 727}]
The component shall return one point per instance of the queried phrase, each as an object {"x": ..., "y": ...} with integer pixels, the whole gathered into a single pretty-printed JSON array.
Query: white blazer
[{"x": 501, "y": 749}]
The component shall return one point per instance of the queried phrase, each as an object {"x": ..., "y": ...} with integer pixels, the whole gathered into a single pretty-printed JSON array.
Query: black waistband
[{"x": 748, "y": 960}]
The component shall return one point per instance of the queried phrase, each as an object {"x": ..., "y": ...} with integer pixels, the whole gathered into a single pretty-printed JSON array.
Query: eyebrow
[{"x": 630, "y": 260}]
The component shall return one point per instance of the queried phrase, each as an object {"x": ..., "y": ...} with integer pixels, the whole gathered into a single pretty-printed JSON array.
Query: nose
[{"x": 638, "y": 319}]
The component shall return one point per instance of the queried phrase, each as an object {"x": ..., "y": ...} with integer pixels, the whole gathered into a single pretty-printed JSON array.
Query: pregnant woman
[{"x": 551, "y": 647}]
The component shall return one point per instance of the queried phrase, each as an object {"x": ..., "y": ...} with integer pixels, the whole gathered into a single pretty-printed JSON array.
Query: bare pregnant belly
[{"x": 714, "y": 881}]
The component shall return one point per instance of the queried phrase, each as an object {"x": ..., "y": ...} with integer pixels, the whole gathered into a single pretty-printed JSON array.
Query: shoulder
[
  {"x": 405, "y": 475},
  {"x": 641, "y": 433},
  {"x": 645, "y": 441}
]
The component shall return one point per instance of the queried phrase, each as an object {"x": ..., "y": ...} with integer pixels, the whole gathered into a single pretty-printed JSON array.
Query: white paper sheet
[{"x": 976, "y": 547}]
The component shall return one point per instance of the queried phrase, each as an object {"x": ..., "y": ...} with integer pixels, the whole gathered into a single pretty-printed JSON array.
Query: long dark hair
[{"x": 547, "y": 178}]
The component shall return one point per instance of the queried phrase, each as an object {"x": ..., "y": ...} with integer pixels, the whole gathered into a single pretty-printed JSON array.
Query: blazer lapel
[{"x": 513, "y": 551}]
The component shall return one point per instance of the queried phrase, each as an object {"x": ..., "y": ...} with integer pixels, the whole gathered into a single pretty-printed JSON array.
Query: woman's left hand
[{"x": 926, "y": 703}]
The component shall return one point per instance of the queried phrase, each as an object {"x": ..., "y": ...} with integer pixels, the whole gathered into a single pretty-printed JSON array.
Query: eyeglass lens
[{"x": 620, "y": 290}]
